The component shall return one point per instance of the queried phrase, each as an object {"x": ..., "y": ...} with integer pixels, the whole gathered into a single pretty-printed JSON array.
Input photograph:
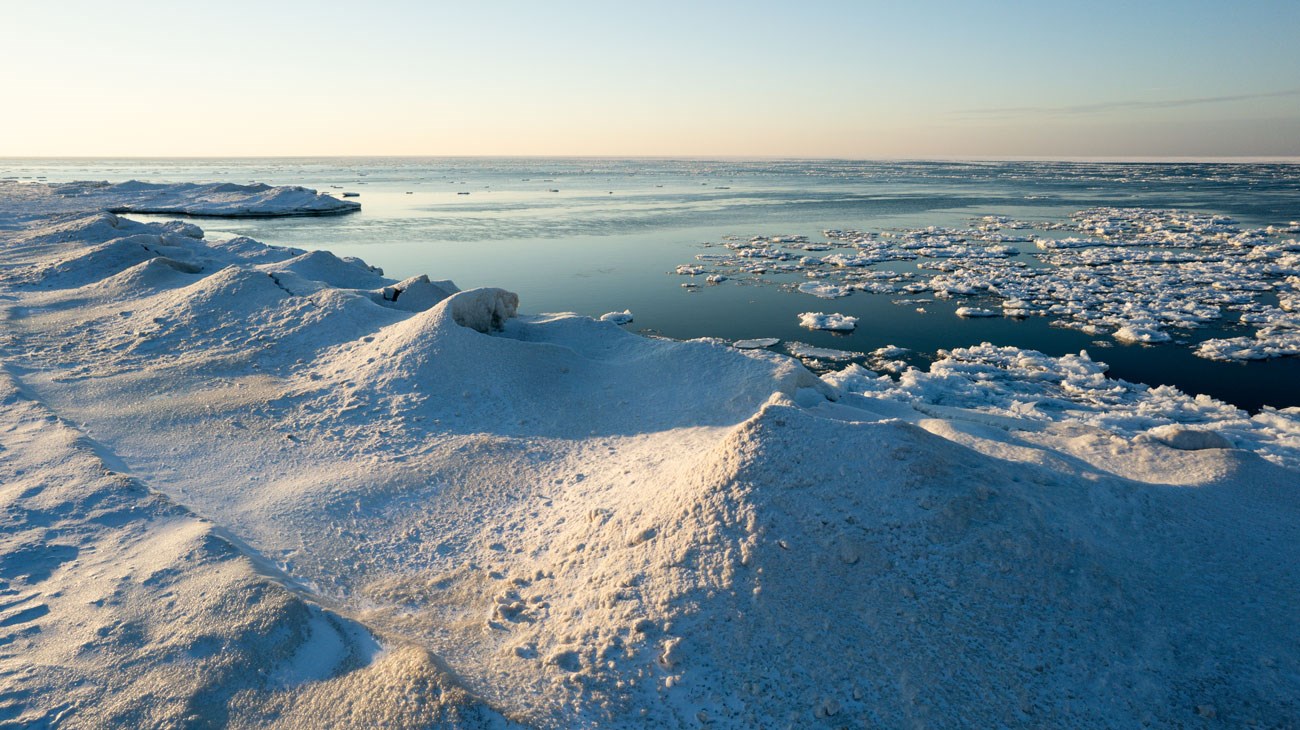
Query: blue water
[{"x": 609, "y": 237}]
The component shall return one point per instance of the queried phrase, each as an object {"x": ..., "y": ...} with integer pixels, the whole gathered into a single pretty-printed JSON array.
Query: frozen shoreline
[{"x": 548, "y": 519}]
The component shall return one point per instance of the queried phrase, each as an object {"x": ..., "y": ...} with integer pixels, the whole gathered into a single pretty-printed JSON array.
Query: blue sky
[{"x": 838, "y": 79}]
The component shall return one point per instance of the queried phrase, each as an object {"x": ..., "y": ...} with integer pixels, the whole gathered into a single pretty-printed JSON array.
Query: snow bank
[{"x": 450, "y": 513}]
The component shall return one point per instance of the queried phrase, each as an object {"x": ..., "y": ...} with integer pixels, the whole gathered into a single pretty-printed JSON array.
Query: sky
[{"x": 809, "y": 78}]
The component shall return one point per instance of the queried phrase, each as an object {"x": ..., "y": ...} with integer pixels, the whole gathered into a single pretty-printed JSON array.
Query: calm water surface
[{"x": 592, "y": 236}]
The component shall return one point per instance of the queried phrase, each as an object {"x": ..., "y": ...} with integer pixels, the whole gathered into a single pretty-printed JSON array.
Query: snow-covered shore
[{"x": 255, "y": 486}]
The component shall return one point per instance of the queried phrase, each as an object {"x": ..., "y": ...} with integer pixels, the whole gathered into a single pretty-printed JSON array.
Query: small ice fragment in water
[
  {"x": 977, "y": 312},
  {"x": 824, "y": 290},
  {"x": 830, "y": 322},
  {"x": 890, "y": 351},
  {"x": 801, "y": 350},
  {"x": 623, "y": 317},
  {"x": 755, "y": 344},
  {"x": 1140, "y": 333}
]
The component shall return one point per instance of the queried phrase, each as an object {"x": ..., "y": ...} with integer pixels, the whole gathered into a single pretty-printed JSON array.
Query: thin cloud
[{"x": 1112, "y": 106}]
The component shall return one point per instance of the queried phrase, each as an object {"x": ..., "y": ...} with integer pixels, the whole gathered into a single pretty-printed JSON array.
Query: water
[{"x": 608, "y": 238}]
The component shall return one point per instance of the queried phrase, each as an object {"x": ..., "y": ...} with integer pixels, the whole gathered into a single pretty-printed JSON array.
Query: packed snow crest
[{"x": 256, "y": 486}]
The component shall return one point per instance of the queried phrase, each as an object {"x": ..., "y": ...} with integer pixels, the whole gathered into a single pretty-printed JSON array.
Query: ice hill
[{"x": 250, "y": 486}]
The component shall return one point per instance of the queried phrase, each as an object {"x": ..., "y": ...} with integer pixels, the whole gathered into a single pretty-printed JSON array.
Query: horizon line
[{"x": 1116, "y": 159}]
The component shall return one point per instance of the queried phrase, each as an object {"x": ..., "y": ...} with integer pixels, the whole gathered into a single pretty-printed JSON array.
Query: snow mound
[
  {"x": 416, "y": 294},
  {"x": 482, "y": 310},
  {"x": 93, "y": 263},
  {"x": 525, "y": 377},
  {"x": 252, "y": 251},
  {"x": 1188, "y": 439},
  {"x": 326, "y": 268}
]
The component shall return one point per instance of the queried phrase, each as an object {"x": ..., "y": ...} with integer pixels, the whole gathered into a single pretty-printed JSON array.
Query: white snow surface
[{"x": 246, "y": 488}]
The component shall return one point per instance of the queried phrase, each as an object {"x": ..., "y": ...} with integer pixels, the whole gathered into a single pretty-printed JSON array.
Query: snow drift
[{"x": 272, "y": 487}]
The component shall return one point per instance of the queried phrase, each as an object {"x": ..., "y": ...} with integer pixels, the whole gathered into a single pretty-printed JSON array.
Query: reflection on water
[{"x": 606, "y": 240}]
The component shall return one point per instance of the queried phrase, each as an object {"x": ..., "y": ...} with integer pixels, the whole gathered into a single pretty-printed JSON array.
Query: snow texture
[{"x": 244, "y": 486}]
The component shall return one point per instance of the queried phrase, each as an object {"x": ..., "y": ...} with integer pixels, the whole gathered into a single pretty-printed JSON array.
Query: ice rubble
[
  {"x": 553, "y": 522},
  {"x": 1141, "y": 275}
]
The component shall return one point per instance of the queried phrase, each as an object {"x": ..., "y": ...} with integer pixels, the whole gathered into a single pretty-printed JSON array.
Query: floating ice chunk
[
  {"x": 825, "y": 290},
  {"x": 1145, "y": 334},
  {"x": 755, "y": 344},
  {"x": 830, "y": 322},
  {"x": 889, "y": 351},
  {"x": 715, "y": 278},
  {"x": 620, "y": 318},
  {"x": 689, "y": 270},
  {"x": 971, "y": 312},
  {"x": 805, "y": 351},
  {"x": 1268, "y": 342}
]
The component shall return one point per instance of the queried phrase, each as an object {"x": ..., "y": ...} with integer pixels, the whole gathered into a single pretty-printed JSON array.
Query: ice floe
[
  {"x": 831, "y": 322},
  {"x": 1141, "y": 275},
  {"x": 756, "y": 344},
  {"x": 623, "y": 317}
]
